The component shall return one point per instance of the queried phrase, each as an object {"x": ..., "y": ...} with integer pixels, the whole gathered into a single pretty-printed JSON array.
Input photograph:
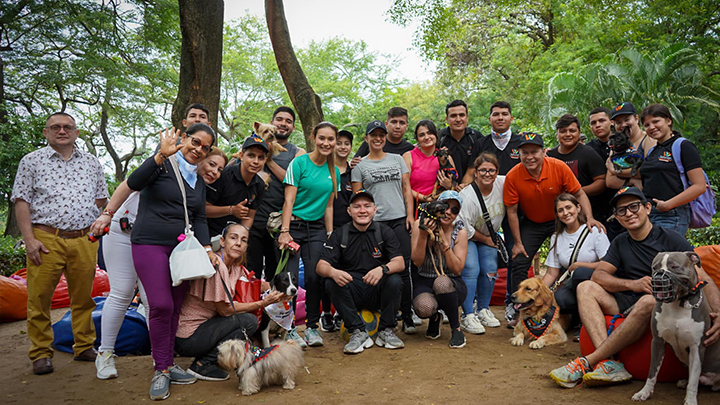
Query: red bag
[{"x": 249, "y": 291}]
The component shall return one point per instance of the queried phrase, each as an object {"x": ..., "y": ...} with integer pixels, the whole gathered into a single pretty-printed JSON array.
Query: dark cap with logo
[
  {"x": 255, "y": 141},
  {"x": 623, "y": 108},
  {"x": 361, "y": 193},
  {"x": 531, "y": 138},
  {"x": 631, "y": 191},
  {"x": 373, "y": 125},
  {"x": 346, "y": 134}
]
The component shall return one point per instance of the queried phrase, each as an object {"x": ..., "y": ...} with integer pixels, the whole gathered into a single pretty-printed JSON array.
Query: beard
[{"x": 282, "y": 135}]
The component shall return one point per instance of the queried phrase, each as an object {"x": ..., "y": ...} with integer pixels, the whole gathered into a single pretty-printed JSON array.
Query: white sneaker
[
  {"x": 444, "y": 316},
  {"x": 487, "y": 318},
  {"x": 105, "y": 365},
  {"x": 472, "y": 325}
]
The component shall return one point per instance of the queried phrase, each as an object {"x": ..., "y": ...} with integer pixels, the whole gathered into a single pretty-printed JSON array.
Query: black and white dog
[
  {"x": 680, "y": 318},
  {"x": 278, "y": 317}
]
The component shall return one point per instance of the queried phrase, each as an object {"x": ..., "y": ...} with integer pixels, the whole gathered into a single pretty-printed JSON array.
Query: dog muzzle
[{"x": 663, "y": 284}]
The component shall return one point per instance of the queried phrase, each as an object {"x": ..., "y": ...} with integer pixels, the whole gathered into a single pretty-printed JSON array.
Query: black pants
[
  {"x": 533, "y": 235},
  {"x": 566, "y": 294},
  {"x": 310, "y": 236},
  {"x": 204, "y": 342},
  {"x": 509, "y": 243},
  {"x": 399, "y": 228},
  {"x": 261, "y": 250},
  {"x": 356, "y": 295}
]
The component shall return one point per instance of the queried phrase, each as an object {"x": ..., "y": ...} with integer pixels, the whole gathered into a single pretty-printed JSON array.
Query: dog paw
[
  {"x": 289, "y": 385},
  {"x": 641, "y": 395},
  {"x": 682, "y": 384},
  {"x": 536, "y": 344},
  {"x": 517, "y": 340},
  {"x": 690, "y": 401}
]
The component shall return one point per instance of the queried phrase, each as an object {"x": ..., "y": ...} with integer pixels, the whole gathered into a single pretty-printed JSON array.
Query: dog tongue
[{"x": 517, "y": 306}]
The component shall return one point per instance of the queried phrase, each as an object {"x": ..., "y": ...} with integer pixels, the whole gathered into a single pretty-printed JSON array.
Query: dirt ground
[{"x": 487, "y": 370}]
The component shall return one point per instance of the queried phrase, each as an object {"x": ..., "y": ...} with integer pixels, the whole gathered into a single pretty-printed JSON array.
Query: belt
[{"x": 62, "y": 233}]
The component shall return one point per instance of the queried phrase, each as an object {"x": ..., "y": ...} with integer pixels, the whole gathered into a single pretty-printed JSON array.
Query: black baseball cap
[
  {"x": 361, "y": 193},
  {"x": 375, "y": 124},
  {"x": 346, "y": 134},
  {"x": 531, "y": 138},
  {"x": 623, "y": 108},
  {"x": 633, "y": 191},
  {"x": 255, "y": 141}
]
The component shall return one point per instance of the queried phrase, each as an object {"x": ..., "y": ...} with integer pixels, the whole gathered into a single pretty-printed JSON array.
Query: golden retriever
[{"x": 535, "y": 300}]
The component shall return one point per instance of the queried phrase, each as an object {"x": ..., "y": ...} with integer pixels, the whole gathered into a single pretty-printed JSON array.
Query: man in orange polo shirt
[{"x": 533, "y": 186}]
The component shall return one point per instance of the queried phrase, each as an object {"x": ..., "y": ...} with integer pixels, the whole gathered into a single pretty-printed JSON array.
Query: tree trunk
[
  {"x": 201, "y": 24},
  {"x": 306, "y": 102}
]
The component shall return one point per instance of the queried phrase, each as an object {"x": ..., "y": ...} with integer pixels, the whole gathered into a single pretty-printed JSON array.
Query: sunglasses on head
[{"x": 196, "y": 143}]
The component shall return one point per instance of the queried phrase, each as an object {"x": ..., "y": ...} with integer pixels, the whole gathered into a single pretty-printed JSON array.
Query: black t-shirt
[
  {"x": 461, "y": 151},
  {"x": 231, "y": 189},
  {"x": 586, "y": 164},
  {"x": 340, "y": 214},
  {"x": 362, "y": 253},
  {"x": 396, "y": 148},
  {"x": 633, "y": 259},
  {"x": 602, "y": 201},
  {"x": 660, "y": 176},
  {"x": 602, "y": 148},
  {"x": 275, "y": 195},
  {"x": 507, "y": 158}
]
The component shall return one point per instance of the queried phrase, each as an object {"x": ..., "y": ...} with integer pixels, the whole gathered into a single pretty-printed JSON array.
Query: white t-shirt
[
  {"x": 471, "y": 211},
  {"x": 592, "y": 250}
]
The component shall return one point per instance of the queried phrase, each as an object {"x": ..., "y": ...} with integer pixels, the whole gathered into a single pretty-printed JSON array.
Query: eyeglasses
[
  {"x": 632, "y": 207},
  {"x": 483, "y": 172},
  {"x": 196, "y": 143},
  {"x": 57, "y": 128}
]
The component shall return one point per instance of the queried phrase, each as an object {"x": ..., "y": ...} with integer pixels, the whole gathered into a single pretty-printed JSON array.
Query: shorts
[
  {"x": 626, "y": 299},
  {"x": 425, "y": 285}
]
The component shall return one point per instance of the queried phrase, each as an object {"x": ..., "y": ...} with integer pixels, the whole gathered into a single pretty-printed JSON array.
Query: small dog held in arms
[
  {"x": 624, "y": 156},
  {"x": 445, "y": 169},
  {"x": 434, "y": 211},
  {"x": 267, "y": 133},
  {"x": 539, "y": 315},
  {"x": 680, "y": 318},
  {"x": 256, "y": 367},
  {"x": 278, "y": 317}
]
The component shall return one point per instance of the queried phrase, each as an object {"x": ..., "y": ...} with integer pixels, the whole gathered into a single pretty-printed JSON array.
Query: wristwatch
[
  {"x": 385, "y": 269},
  {"x": 618, "y": 170}
]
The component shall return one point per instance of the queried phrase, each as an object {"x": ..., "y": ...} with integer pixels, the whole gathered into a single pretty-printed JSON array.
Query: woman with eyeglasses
[
  {"x": 120, "y": 216},
  {"x": 481, "y": 266},
  {"x": 423, "y": 164},
  {"x": 440, "y": 260},
  {"x": 160, "y": 221}
]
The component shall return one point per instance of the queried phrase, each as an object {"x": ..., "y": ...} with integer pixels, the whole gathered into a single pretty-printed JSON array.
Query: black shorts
[
  {"x": 626, "y": 299},
  {"x": 425, "y": 285}
]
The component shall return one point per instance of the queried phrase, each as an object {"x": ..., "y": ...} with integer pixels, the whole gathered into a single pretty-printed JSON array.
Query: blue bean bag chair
[{"x": 133, "y": 337}]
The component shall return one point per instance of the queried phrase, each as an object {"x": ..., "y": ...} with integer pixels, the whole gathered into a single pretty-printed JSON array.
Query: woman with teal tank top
[{"x": 311, "y": 184}]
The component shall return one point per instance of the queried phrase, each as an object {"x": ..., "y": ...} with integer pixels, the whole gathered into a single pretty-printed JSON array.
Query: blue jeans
[
  {"x": 479, "y": 275},
  {"x": 677, "y": 218}
]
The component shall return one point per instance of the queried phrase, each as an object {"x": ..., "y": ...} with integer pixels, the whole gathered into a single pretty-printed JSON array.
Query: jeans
[
  {"x": 206, "y": 338},
  {"x": 677, "y": 219},
  {"x": 479, "y": 275}
]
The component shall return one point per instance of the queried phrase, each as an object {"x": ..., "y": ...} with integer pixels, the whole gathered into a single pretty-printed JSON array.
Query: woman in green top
[{"x": 311, "y": 184}]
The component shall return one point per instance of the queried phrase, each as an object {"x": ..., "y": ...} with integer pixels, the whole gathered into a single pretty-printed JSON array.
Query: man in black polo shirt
[
  {"x": 361, "y": 262},
  {"x": 396, "y": 124},
  {"x": 236, "y": 195},
  {"x": 457, "y": 137}
]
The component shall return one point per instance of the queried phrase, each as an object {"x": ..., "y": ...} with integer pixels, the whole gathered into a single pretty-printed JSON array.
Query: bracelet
[
  {"x": 446, "y": 249},
  {"x": 284, "y": 231},
  {"x": 230, "y": 211},
  {"x": 162, "y": 156},
  {"x": 108, "y": 212}
]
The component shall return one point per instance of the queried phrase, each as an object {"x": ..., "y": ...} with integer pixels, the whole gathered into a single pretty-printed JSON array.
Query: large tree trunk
[
  {"x": 306, "y": 102},
  {"x": 201, "y": 24}
]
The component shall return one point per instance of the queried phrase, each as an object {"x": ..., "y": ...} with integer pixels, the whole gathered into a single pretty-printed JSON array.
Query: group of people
[{"x": 396, "y": 229}]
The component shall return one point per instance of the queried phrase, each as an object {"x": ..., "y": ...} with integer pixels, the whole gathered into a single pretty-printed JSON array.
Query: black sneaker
[
  {"x": 326, "y": 323},
  {"x": 457, "y": 340},
  {"x": 433, "y": 330},
  {"x": 337, "y": 320},
  {"x": 208, "y": 371}
]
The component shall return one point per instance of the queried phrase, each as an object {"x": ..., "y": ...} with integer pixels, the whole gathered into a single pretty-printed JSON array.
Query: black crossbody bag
[{"x": 496, "y": 238}]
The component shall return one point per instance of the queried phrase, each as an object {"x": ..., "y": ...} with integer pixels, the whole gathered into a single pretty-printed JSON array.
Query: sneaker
[
  {"x": 470, "y": 324},
  {"x": 457, "y": 340},
  {"x": 387, "y": 339},
  {"x": 180, "y": 376},
  {"x": 416, "y": 319},
  {"x": 510, "y": 315},
  {"x": 444, "y": 317},
  {"x": 487, "y": 318},
  {"x": 313, "y": 337},
  {"x": 408, "y": 327},
  {"x": 207, "y": 371},
  {"x": 326, "y": 323},
  {"x": 433, "y": 330},
  {"x": 295, "y": 337},
  {"x": 571, "y": 374},
  {"x": 337, "y": 320},
  {"x": 105, "y": 365},
  {"x": 607, "y": 372},
  {"x": 359, "y": 341},
  {"x": 160, "y": 386}
]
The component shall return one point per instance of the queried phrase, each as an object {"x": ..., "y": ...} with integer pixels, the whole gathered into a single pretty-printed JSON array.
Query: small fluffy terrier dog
[{"x": 277, "y": 364}]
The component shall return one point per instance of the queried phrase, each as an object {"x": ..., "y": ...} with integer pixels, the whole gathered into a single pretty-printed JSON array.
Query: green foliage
[{"x": 11, "y": 259}]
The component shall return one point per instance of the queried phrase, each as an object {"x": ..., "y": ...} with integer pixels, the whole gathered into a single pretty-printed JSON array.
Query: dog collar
[
  {"x": 538, "y": 329},
  {"x": 693, "y": 292},
  {"x": 258, "y": 353}
]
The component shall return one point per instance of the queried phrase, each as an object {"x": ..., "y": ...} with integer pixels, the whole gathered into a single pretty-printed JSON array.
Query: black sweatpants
[
  {"x": 261, "y": 250},
  {"x": 533, "y": 235},
  {"x": 357, "y": 295},
  {"x": 566, "y": 294},
  {"x": 399, "y": 228},
  {"x": 204, "y": 342}
]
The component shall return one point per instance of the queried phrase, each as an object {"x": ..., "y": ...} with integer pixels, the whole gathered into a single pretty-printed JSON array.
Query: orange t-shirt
[{"x": 537, "y": 196}]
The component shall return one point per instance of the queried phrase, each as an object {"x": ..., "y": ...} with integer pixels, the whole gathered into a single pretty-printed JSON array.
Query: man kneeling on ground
[
  {"x": 361, "y": 262},
  {"x": 621, "y": 281}
]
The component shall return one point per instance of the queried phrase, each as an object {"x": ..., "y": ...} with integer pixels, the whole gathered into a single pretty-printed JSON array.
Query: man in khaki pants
[{"x": 57, "y": 194}]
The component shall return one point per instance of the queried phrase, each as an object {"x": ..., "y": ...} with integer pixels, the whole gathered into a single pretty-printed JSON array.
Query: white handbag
[{"x": 189, "y": 260}]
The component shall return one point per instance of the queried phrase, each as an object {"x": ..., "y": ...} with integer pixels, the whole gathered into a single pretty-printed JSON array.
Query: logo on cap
[
  {"x": 622, "y": 190},
  {"x": 619, "y": 106},
  {"x": 530, "y": 136},
  {"x": 255, "y": 137}
]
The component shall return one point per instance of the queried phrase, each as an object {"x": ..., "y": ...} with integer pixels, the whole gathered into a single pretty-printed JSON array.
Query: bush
[
  {"x": 11, "y": 259},
  {"x": 704, "y": 236}
]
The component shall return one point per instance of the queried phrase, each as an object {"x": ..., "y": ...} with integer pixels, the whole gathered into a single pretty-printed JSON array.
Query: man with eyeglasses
[
  {"x": 59, "y": 190},
  {"x": 620, "y": 282}
]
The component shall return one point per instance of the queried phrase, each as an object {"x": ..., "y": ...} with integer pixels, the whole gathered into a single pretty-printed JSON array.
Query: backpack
[{"x": 702, "y": 208}]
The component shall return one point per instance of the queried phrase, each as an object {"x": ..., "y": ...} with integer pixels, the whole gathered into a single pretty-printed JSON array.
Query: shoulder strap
[
  {"x": 486, "y": 214},
  {"x": 345, "y": 236},
  {"x": 225, "y": 287},
  {"x": 578, "y": 244},
  {"x": 676, "y": 152},
  {"x": 176, "y": 169}
]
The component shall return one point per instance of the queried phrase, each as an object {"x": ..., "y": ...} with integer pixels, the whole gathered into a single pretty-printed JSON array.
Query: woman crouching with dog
[
  {"x": 439, "y": 249},
  {"x": 208, "y": 316}
]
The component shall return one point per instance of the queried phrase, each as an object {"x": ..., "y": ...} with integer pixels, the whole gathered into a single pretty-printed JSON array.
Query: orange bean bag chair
[
  {"x": 710, "y": 260},
  {"x": 61, "y": 298},
  {"x": 13, "y": 300}
]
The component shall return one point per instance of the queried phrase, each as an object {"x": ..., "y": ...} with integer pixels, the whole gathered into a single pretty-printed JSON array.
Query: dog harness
[
  {"x": 538, "y": 329},
  {"x": 258, "y": 353}
]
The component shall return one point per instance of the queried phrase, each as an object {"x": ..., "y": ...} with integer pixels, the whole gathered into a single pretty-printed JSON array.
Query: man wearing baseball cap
[
  {"x": 238, "y": 192},
  {"x": 361, "y": 263},
  {"x": 625, "y": 118},
  {"x": 533, "y": 186}
]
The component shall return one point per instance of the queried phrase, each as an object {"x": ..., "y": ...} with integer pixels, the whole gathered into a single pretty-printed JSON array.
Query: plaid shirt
[{"x": 61, "y": 193}]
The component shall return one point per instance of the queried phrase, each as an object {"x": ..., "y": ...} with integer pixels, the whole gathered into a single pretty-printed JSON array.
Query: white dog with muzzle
[{"x": 680, "y": 318}]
